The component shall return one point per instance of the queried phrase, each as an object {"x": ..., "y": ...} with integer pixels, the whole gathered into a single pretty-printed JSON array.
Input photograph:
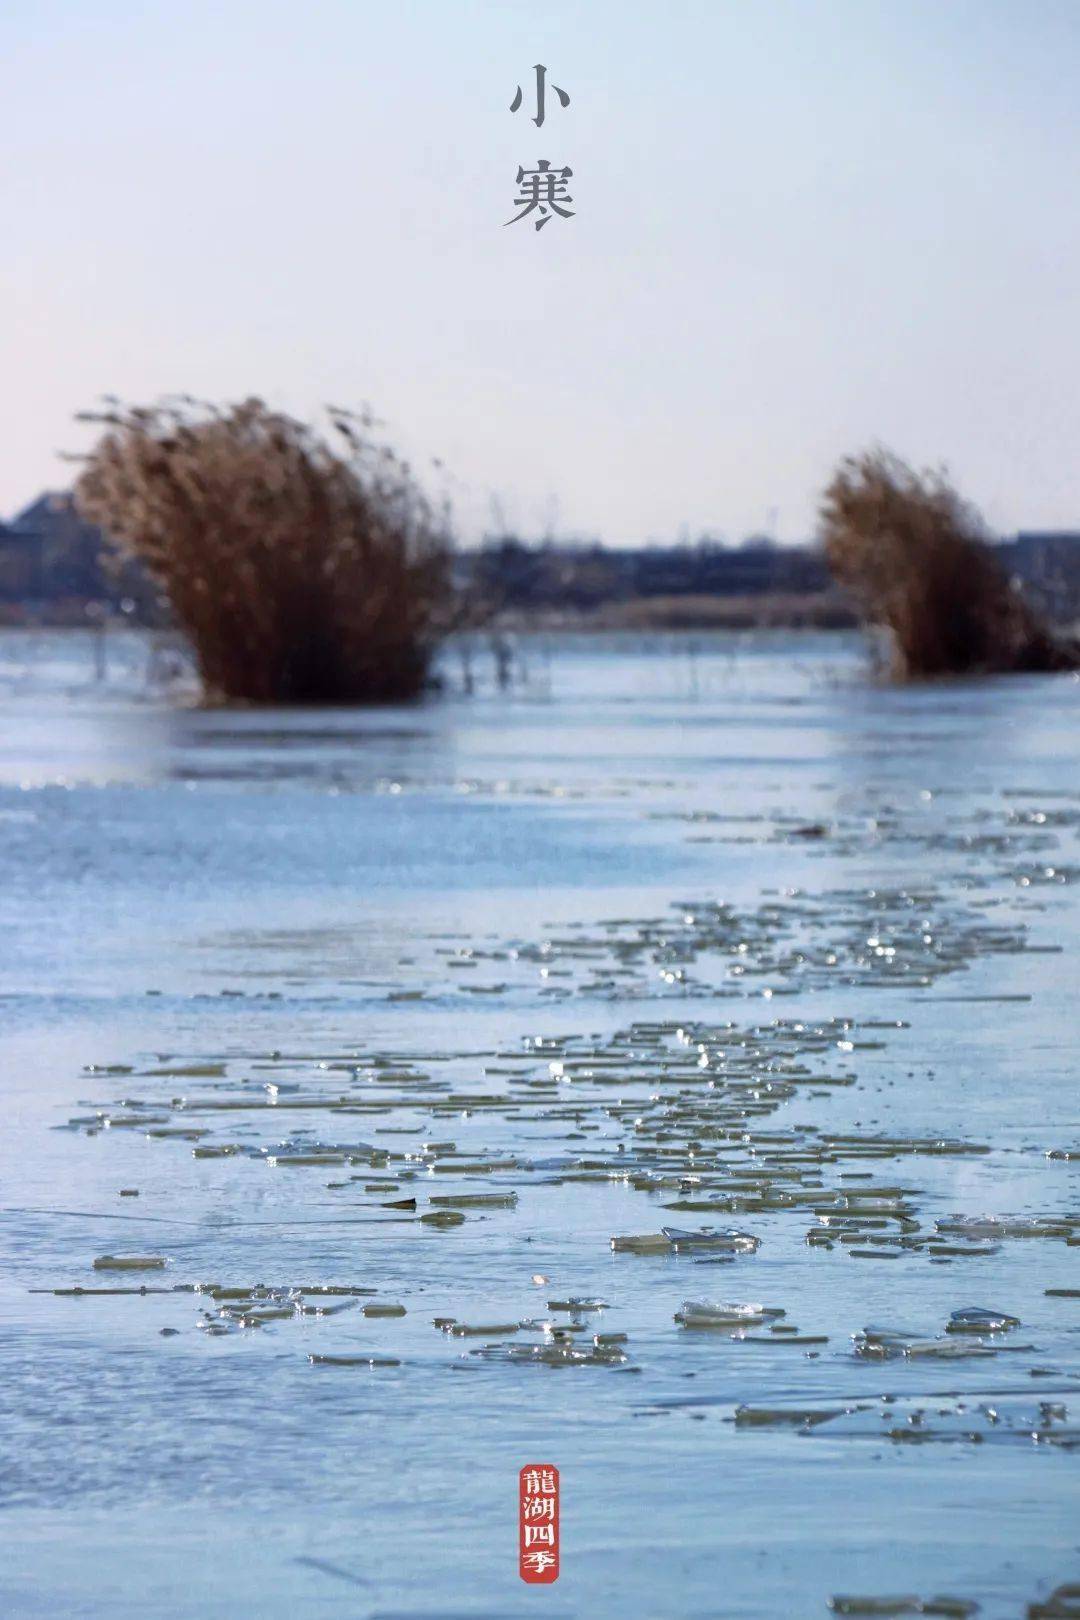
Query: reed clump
[
  {"x": 917, "y": 561},
  {"x": 304, "y": 569}
]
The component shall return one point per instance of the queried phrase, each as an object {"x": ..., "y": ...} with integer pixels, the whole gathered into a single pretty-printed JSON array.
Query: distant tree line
[{"x": 513, "y": 575}]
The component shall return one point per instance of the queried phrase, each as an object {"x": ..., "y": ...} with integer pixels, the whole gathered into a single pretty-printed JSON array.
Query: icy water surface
[{"x": 665, "y": 1070}]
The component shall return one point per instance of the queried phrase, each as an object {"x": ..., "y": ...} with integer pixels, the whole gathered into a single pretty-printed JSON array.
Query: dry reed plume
[
  {"x": 302, "y": 570},
  {"x": 915, "y": 558}
]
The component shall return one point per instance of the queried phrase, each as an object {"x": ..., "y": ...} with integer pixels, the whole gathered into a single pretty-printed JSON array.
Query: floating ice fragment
[
  {"x": 256, "y": 1316},
  {"x": 791, "y": 1337},
  {"x": 129, "y": 1262},
  {"x": 354, "y": 1361},
  {"x": 282, "y": 1161},
  {"x": 555, "y": 1355},
  {"x": 882, "y": 1343},
  {"x": 945, "y": 1349},
  {"x": 774, "y": 1417},
  {"x": 78, "y": 1293},
  {"x": 731, "y": 1241},
  {"x": 998, "y": 1226},
  {"x": 706, "y": 1313},
  {"x": 320, "y": 1309},
  {"x": 463, "y": 1330},
  {"x": 948, "y": 1608},
  {"x": 975, "y": 1319},
  {"x": 647, "y": 1243},
  {"x": 505, "y": 1200}
]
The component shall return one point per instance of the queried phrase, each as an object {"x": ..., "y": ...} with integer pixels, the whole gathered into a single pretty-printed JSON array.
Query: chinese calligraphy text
[
  {"x": 541, "y": 75},
  {"x": 538, "y": 1523},
  {"x": 542, "y": 191}
]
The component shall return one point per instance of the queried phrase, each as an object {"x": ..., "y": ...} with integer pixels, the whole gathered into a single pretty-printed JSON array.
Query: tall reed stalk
[
  {"x": 917, "y": 560},
  {"x": 303, "y": 570}
]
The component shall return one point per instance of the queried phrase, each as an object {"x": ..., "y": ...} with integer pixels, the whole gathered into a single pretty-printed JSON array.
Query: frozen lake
[{"x": 706, "y": 933}]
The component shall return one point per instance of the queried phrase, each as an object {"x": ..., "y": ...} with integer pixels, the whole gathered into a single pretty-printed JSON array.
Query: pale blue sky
[{"x": 800, "y": 227}]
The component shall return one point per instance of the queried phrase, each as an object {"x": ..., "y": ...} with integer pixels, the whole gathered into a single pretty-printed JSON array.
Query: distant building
[
  {"x": 584, "y": 576},
  {"x": 49, "y": 551},
  {"x": 53, "y": 564},
  {"x": 1047, "y": 564},
  {"x": 20, "y": 565}
]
